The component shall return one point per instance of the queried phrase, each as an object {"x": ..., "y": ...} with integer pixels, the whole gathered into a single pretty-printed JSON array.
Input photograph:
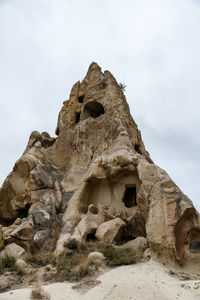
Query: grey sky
[{"x": 152, "y": 46}]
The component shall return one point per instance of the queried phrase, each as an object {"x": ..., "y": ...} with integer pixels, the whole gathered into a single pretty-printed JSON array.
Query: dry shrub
[
  {"x": 114, "y": 256},
  {"x": 81, "y": 270},
  {"x": 72, "y": 267},
  {"x": 38, "y": 293},
  {"x": 76, "y": 266},
  {"x": 40, "y": 260},
  {"x": 8, "y": 262},
  {"x": 91, "y": 246},
  {"x": 117, "y": 257}
]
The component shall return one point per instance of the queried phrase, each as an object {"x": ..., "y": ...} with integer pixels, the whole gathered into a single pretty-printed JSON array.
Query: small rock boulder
[
  {"x": 40, "y": 237},
  {"x": 96, "y": 258},
  {"x": 24, "y": 231},
  {"x": 43, "y": 211},
  {"x": 21, "y": 264},
  {"x": 13, "y": 250},
  {"x": 89, "y": 223},
  {"x": 109, "y": 231},
  {"x": 147, "y": 253},
  {"x": 138, "y": 245}
]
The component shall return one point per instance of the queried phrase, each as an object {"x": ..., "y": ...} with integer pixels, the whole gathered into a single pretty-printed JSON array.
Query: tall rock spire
[{"x": 96, "y": 175}]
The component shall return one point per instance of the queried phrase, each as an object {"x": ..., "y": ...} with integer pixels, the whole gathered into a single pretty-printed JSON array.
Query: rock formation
[{"x": 96, "y": 180}]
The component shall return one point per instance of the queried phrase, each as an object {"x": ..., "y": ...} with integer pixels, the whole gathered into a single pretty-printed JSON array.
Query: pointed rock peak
[{"x": 98, "y": 178}]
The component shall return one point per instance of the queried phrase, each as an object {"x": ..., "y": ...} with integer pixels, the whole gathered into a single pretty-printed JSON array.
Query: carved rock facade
[{"x": 97, "y": 180}]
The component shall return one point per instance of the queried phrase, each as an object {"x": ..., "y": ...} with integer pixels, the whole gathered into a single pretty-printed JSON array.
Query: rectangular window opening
[{"x": 130, "y": 196}]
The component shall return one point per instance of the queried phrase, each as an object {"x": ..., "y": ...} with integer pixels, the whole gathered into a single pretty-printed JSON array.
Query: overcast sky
[{"x": 153, "y": 46}]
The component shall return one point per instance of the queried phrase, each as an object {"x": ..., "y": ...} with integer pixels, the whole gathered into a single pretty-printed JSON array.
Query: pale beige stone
[
  {"x": 13, "y": 250},
  {"x": 21, "y": 264},
  {"x": 109, "y": 231},
  {"x": 147, "y": 253},
  {"x": 138, "y": 245},
  {"x": 24, "y": 231},
  {"x": 95, "y": 258},
  {"x": 89, "y": 223}
]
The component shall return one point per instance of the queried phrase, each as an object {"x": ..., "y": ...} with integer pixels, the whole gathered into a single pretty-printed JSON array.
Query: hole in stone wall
[
  {"x": 23, "y": 213},
  {"x": 93, "y": 209},
  {"x": 131, "y": 231},
  {"x": 77, "y": 117},
  {"x": 91, "y": 237},
  {"x": 185, "y": 232},
  {"x": 124, "y": 237},
  {"x": 137, "y": 149},
  {"x": 194, "y": 239},
  {"x": 81, "y": 98},
  {"x": 130, "y": 197},
  {"x": 93, "y": 109}
]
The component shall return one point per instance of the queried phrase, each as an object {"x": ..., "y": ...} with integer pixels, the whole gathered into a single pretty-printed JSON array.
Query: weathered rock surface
[
  {"x": 110, "y": 231},
  {"x": 41, "y": 236},
  {"x": 96, "y": 258},
  {"x": 21, "y": 264},
  {"x": 138, "y": 245},
  {"x": 24, "y": 231},
  {"x": 96, "y": 171},
  {"x": 13, "y": 250}
]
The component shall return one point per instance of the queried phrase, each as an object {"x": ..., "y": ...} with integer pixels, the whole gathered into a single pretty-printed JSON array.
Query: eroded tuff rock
[{"x": 95, "y": 172}]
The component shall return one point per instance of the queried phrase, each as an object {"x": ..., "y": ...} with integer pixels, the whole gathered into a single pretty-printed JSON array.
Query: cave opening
[
  {"x": 137, "y": 149},
  {"x": 23, "y": 213},
  {"x": 81, "y": 98},
  {"x": 77, "y": 117},
  {"x": 194, "y": 239},
  {"x": 130, "y": 196},
  {"x": 91, "y": 237},
  {"x": 93, "y": 109}
]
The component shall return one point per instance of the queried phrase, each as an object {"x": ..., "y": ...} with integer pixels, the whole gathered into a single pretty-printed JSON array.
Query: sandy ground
[{"x": 145, "y": 281}]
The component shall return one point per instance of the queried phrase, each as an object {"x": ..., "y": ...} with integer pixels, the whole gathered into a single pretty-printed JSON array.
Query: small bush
[
  {"x": 34, "y": 260},
  {"x": 39, "y": 260},
  {"x": 38, "y": 293},
  {"x": 8, "y": 262},
  {"x": 122, "y": 86},
  {"x": 117, "y": 257},
  {"x": 81, "y": 270},
  {"x": 4, "y": 288},
  {"x": 76, "y": 266},
  {"x": 91, "y": 246},
  {"x": 72, "y": 267},
  {"x": 72, "y": 244}
]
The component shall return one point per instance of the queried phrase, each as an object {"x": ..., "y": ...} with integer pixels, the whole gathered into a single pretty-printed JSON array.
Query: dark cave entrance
[
  {"x": 130, "y": 196},
  {"x": 93, "y": 109},
  {"x": 77, "y": 117},
  {"x": 194, "y": 239},
  {"x": 81, "y": 98},
  {"x": 91, "y": 237},
  {"x": 137, "y": 149},
  {"x": 23, "y": 213}
]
